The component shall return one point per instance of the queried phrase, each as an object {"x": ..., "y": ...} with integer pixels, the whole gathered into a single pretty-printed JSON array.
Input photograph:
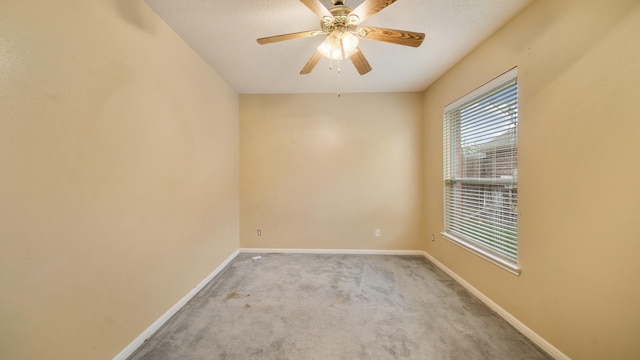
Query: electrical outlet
[
  {"x": 259, "y": 232},
  {"x": 433, "y": 238},
  {"x": 377, "y": 232}
]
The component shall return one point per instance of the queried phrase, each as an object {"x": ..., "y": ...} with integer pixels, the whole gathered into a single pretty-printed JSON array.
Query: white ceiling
[{"x": 224, "y": 33}]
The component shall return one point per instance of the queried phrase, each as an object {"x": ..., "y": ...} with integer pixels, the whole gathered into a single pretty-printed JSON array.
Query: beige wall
[
  {"x": 579, "y": 171},
  {"x": 118, "y": 175},
  {"x": 319, "y": 171}
]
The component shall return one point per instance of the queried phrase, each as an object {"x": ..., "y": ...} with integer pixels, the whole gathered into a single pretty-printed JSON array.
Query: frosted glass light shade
[{"x": 339, "y": 45}]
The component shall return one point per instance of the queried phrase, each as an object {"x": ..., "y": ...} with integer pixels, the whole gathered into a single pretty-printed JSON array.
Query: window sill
[{"x": 492, "y": 258}]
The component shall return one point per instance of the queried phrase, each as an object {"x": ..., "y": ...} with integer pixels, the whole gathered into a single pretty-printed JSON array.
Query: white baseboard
[
  {"x": 127, "y": 351},
  {"x": 333, "y": 251},
  {"x": 524, "y": 329}
]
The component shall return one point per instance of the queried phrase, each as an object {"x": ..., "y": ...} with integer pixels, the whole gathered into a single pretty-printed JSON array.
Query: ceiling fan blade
[
  {"x": 283, "y": 37},
  {"x": 370, "y": 7},
  {"x": 360, "y": 62},
  {"x": 317, "y": 7},
  {"x": 311, "y": 63},
  {"x": 400, "y": 37}
]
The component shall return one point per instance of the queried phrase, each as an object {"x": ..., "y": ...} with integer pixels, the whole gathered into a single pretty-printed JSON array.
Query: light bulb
[{"x": 339, "y": 45}]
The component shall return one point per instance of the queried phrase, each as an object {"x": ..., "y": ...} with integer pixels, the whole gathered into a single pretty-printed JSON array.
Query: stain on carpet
[{"x": 235, "y": 295}]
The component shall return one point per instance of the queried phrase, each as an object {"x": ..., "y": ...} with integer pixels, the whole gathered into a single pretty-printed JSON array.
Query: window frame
[{"x": 466, "y": 241}]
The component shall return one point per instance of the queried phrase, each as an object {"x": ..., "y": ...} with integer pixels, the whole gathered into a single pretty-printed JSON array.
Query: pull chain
[
  {"x": 339, "y": 75},
  {"x": 339, "y": 79}
]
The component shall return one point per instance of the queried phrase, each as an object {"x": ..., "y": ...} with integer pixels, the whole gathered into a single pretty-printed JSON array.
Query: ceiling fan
[{"x": 341, "y": 24}]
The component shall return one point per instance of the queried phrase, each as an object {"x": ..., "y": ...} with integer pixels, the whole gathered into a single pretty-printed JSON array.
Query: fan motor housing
[
  {"x": 340, "y": 20},
  {"x": 338, "y": 10}
]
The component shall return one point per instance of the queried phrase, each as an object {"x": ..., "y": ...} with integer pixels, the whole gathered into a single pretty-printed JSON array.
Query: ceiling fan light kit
[
  {"x": 341, "y": 24},
  {"x": 339, "y": 45}
]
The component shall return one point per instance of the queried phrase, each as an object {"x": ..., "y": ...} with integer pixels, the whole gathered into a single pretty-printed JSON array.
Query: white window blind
[{"x": 481, "y": 168}]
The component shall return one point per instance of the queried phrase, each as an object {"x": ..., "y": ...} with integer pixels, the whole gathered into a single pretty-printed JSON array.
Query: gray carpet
[{"x": 303, "y": 306}]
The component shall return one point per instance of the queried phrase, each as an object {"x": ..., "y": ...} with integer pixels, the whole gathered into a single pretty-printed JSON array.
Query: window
[{"x": 481, "y": 171}]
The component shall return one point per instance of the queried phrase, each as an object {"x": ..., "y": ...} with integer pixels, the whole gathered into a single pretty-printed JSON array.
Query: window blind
[{"x": 480, "y": 167}]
